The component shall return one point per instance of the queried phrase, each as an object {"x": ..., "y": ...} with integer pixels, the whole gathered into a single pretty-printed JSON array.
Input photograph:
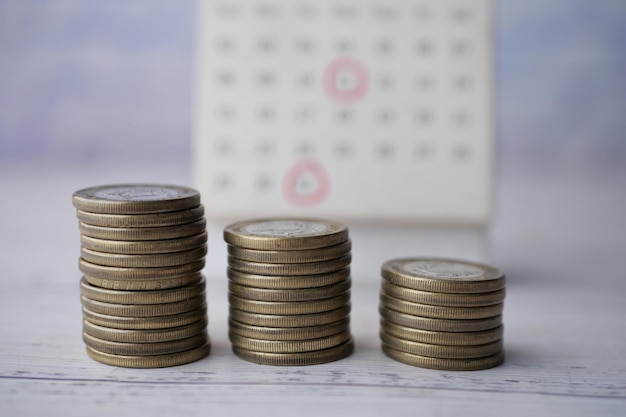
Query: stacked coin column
[
  {"x": 289, "y": 291},
  {"x": 143, "y": 295},
  {"x": 442, "y": 314}
]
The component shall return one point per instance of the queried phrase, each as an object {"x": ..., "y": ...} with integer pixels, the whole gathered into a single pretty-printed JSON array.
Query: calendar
[{"x": 349, "y": 109}]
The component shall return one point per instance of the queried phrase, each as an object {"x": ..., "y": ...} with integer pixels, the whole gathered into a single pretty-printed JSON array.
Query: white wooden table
[{"x": 561, "y": 241}]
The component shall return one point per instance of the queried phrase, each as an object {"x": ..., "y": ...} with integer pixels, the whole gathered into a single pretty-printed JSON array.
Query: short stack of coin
[
  {"x": 289, "y": 291},
  {"x": 442, "y": 313},
  {"x": 143, "y": 248}
]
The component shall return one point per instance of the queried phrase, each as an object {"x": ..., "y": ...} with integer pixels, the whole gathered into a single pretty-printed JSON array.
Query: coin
[
  {"x": 297, "y": 359},
  {"x": 135, "y": 198},
  {"x": 145, "y": 323},
  {"x": 144, "y": 310},
  {"x": 293, "y": 320},
  {"x": 159, "y": 361},
  {"x": 143, "y": 233},
  {"x": 143, "y": 261},
  {"x": 141, "y": 297},
  {"x": 145, "y": 284},
  {"x": 292, "y": 282},
  {"x": 290, "y": 256},
  {"x": 289, "y": 346},
  {"x": 443, "y": 299},
  {"x": 310, "y": 268},
  {"x": 439, "y": 312},
  {"x": 443, "y": 275},
  {"x": 141, "y": 220},
  {"x": 144, "y": 246},
  {"x": 285, "y": 234},
  {"x": 145, "y": 336},
  {"x": 442, "y": 338},
  {"x": 445, "y": 364},
  {"x": 307, "y": 294},
  {"x": 122, "y": 274},
  {"x": 288, "y": 333},
  {"x": 440, "y": 325},
  {"x": 441, "y": 351},
  {"x": 145, "y": 349},
  {"x": 287, "y": 308}
]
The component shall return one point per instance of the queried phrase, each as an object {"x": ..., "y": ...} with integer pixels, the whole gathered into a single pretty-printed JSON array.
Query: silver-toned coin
[{"x": 290, "y": 256}]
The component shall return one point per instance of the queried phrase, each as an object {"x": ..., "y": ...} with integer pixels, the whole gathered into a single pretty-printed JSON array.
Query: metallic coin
[
  {"x": 144, "y": 261},
  {"x": 141, "y": 297},
  {"x": 308, "y": 294},
  {"x": 144, "y": 246},
  {"x": 439, "y": 312},
  {"x": 290, "y": 256},
  {"x": 440, "y": 325},
  {"x": 143, "y": 233},
  {"x": 442, "y": 338},
  {"x": 285, "y": 234},
  {"x": 135, "y": 198},
  {"x": 310, "y": 268},
  {"x": 289, "y": 346},
  {"x": 122, "y": 274},
  {"x": 440, "y": 351},
  {"x": 145, "y": 284},
  {"x": 294, "y": 282},
  {"x": 144, "y": 310},
  {"x": 297, "y": 359},
  {"x": 291, "y": 321},
  {"x": 159, "y": 361},
  {"x": 288, "y": 333},
  {"x": 145, "y": 349},
  {"x": 145, "y": 336},
  {"x": 145, "y": 323},
  {"x": 445, "y": 364},
  {"x": 443, "y": 299},
  {"x": 287, "y": 308},
  {"x": 141, "y": 220},
  {"x": 443, "y": 275}
]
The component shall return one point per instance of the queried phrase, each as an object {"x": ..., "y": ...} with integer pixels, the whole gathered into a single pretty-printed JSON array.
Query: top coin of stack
[
  {"x": 442, "y": 313},
  {"x": 289, "y": 283},
  {"x": 142, "y": 249}
]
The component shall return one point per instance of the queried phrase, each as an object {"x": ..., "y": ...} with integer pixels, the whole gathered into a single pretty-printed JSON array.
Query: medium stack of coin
[
  {"x": 289, "y": 291},
  {"x": 442, "y": 313},
  {"x": 142, "y": 249}
]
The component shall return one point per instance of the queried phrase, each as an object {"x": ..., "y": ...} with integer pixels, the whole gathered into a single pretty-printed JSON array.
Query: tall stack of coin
[
  {"x": 442, "y": 313},
  {"x": 142, "y": 249},
  {"x": 289, "y": 291}
]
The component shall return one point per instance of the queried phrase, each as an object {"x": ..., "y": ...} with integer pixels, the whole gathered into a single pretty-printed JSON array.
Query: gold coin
[
  {"x": 145, "y": 323},
  {"x": 443, "y": 275},
  {"x": 145, "y": 284},
  {"x": 143, "y": 233},
  {"x": 310, "y": 268},
  {"x": 442, "y": 338},
  {"x": 141, "y": 297},
  {"x": 285, "y": 234},
  {"x": 294, "y": 282},
  {"x": 441, "y": 351},
  {"x": 144, "y": 261},
  {"x": 135, "y": 198},
  {"x": 440, "y": 325},
  {"x": 443, "y": 299},
  {"x": 144, "y": 310},
  {"x": 159, "y": 361},
  {"x": 145, "y": 336},
  {"x": 141, "y": 220},
  {"x": 288, "y": 333},
  {"x": 288, "y": 308},
  {"x": 145, "y": 349},
  {"x": 290, "y": 256},
  {"x": 445, "y": 364},
  {"x": 308, "y": 294},
  {"x": 439, "y": 312},
  {"x": 294, "y": 320},
  {"x": 297, "y": 359},
  {"x": 289, "y": 346},
  {"x": 123, "y": 274},
  {"x": 144, "y": 246}
]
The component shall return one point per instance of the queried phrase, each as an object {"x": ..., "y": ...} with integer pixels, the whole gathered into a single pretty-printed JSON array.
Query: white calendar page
[{"x": 364, "y": 110}]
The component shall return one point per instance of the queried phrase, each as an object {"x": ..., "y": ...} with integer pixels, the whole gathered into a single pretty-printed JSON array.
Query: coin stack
[
  {"x": 442, "y": 313},
  {"x": 142, "y": 249},
  {"x": 289, "y": 291}
]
